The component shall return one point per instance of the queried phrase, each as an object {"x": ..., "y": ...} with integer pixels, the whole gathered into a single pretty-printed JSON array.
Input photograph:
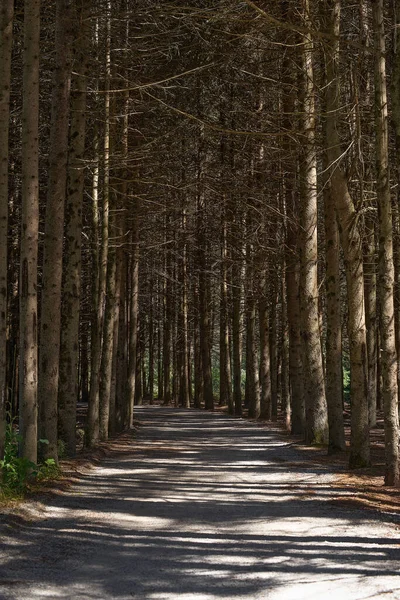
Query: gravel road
[{"x": 205, "y": 507}]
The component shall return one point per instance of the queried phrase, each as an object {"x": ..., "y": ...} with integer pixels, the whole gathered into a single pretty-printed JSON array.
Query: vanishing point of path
[{"x": 205, "y": 507}]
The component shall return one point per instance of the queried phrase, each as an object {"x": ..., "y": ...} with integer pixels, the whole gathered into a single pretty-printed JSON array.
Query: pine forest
[
  {"x": 199, "y": 299},
  {"x": 199, "y": 207}
]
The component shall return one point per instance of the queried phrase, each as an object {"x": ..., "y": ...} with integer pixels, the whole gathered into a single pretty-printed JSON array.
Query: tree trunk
[
  {"x": 139, "y": 371},
  {"x": 333, "y": 350},
  {"x": 185, "y": 380},
  {"x": 316, "y": 431},
  {"x": 100, "y": 285},
  {"x": 121, "y": 405},
  {"x": 84, "y": 362},
  {"x": 285, "y": 377},
  {"x": 70, "y": 311},
  {"x": 295, "y": 347},
  {"x": 151, "y": 341},
  {"x": 386, "y": 267},
  {"x": 114, "y": 368},
  {"x": 396, "y": 259},
  {"x": 204, "y": 307},
  {"x": 198, "y": 371},
  {"x": 167, "y": 324},
  {"x": 226, "y": 397},
  {"x": 395, "y": 96},
  {"x": 265, "y": 366},
  {"x": 371, "y": 317},
  {"x": 160, "y": 374},
  {"x": 92, "y": 433},
  {"x": 133, "y": 319},
  {"x": 29, "y": 233},
  {"x": 252, "y": 370},
  {"x": 236, "y": 330},
  {"x": 54, "y": 230},
  {"x": 118, "y": 394},
  {"x": 352, "y": 250},
  {"x": 6, "y": 30},
  {"x": 290, "y": 109},
  {"x": 273, "y": 345},
  {"x": 108, "y": 346}
]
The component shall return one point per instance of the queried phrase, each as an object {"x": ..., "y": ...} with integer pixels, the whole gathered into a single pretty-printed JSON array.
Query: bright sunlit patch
[
  {"x": 183, "y": 596},
  {"x": 345, "y": 588},
  {"x": 48, "y": 593}
]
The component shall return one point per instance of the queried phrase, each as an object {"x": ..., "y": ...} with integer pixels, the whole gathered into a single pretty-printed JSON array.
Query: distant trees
[{"x": 200, "y": 216}]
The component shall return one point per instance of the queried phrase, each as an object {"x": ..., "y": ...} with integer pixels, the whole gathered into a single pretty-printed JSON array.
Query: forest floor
[{"x": 201, "y": 506}]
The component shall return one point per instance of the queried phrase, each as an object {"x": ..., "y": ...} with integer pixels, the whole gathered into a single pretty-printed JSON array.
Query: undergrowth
[{"x": 18, "y": 474}]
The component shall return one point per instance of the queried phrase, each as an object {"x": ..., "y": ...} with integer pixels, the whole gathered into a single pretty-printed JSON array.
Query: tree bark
[
  {"x": 112, "y": 423},
  {"x": 151, "y": 338},
  {"x": 121, "y": 405},
  {"x": 333, "y": 349},
  {"x": 265, "y": 364},
  {"x": 371, "y": 320},
  {"x": 29, "y": 234},
  {"x": 226, "y": 397},
  {"x": 167, "y": 323},
  {"x": 204, "y": 307},
  {"x": 102, "y": 256},
  {"x": 133, "y": 319},
  {"x": 54, "y": 230},
  {"x": 395, "y": 97},
  {"x": 252, "y": 369},
  {"x": 352, "y": 250},
  {"x": 6, "y": 30},
  {"x": 198, "y": 371},
  {"x": 316, "y": 431},
  {"x": 108, "y": 345},
  {"x": 139, "y": 361},
  {"x": 70, "y": 311},
  {"x": 285, "y": 376},
  {"x": 386, "y": 267},
  {"x": 185, "y": 380},
  {"x": 92, "y": 432},
  {"x": 273, "y": 346},
  {"x": 295, "y": 347},
  {"x": 292, "y": 209},
  {"x": 236, "y": 319}
]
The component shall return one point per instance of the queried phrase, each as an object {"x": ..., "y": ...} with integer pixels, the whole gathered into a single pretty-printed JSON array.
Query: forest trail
[{"x": 205, "y": 507}]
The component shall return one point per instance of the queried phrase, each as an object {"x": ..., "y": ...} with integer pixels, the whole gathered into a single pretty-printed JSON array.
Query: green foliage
[
  {"x": 48, "y": 470},
  {"x": 17, "y": 471}
]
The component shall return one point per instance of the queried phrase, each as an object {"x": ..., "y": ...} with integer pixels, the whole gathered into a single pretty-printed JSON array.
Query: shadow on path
[{"x": 204, "y": 507}]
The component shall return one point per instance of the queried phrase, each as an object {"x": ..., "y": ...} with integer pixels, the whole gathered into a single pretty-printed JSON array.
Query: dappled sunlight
[{"x": 182, "y": 518}]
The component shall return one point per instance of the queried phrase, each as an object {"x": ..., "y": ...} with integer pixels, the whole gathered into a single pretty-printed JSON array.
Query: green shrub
[
  {"x": 18, "y": 471},
  {"x": 48, "y": 470},
  {"x": 15, "y": 469}
]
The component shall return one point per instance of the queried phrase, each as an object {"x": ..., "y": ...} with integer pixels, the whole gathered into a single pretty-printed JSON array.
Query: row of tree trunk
[{"x": 192, "y": 234}]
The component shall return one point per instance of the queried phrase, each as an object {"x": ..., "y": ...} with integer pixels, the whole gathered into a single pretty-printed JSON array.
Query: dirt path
[{"x": 204, "y": 508}]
